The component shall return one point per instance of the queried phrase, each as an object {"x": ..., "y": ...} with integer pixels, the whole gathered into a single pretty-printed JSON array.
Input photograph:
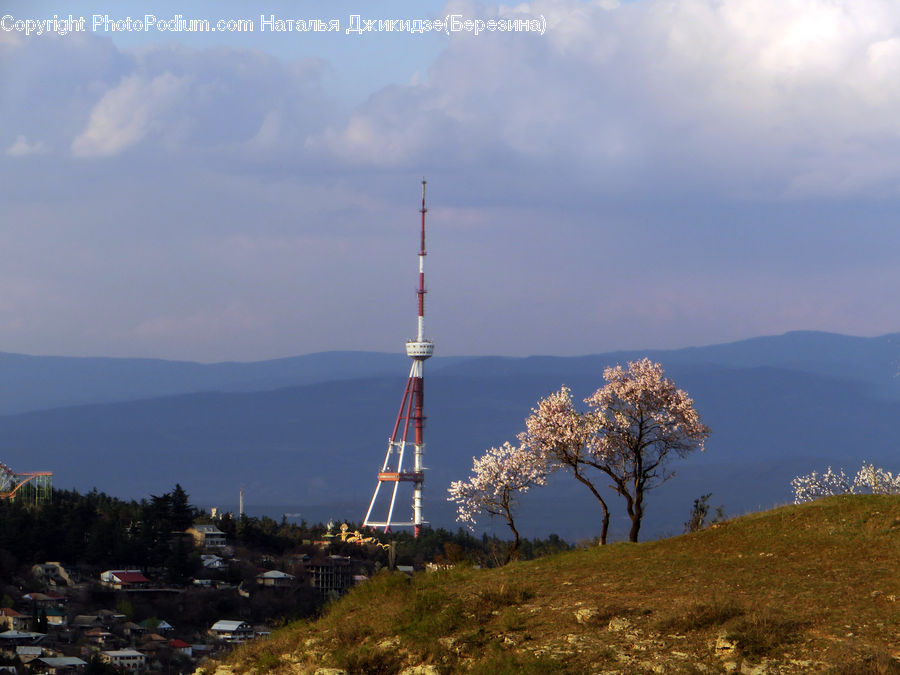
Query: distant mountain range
[{"x": 306, "y": 434}]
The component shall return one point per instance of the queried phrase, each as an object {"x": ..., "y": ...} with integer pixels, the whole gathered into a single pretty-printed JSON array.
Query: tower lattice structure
[{"x": 411, "y": 414}]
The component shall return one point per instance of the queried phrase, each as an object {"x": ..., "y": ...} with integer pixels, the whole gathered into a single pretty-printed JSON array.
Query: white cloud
[
  {"x": 127, "y": 114},
  {"x": 177, "y": 102},
  {"x": 22, "y": 148},
  {"x": 752, "y": 98},
  {"x": 220, "y": 207}
]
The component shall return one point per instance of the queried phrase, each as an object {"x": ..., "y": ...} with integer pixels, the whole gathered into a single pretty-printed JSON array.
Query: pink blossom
[
  {"x": 634, "y": 425},
  {"x": 497, "y": 478}
]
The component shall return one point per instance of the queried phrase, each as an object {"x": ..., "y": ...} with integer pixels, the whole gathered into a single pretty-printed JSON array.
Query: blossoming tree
[
  {"x": 867, "y": 480},
  {"x": 497, "y": 478},
  {"x": 642, "y": 419},
  {"x": 562, "y": 435},
  {"x": 636, "y": 423}
]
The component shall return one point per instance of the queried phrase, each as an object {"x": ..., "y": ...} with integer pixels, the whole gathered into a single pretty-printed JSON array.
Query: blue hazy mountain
[
  {"x": 35, "y": 382},
  {"x": 39, "y": 382},
  {"x": 777, "y": 406}
]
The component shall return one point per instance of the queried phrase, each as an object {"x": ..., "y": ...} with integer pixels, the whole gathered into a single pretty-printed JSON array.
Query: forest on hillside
[{"x": 96, "y": 530}]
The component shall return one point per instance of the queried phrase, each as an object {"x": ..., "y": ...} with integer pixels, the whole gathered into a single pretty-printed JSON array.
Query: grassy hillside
[{"x": 810, "y": 588}]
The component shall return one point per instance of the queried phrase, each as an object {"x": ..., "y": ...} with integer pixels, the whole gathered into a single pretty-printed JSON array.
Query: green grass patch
[
  {"x": 700, "y": 616},
  {"x": 511, "y": 663},
  {"x": 368, "y": 660},
  {"x": 487, "y": 601},
  {"x": 761, "y": 633},
  {"x": 267, "y": 662},
  {"x": 511, "y": 620}
]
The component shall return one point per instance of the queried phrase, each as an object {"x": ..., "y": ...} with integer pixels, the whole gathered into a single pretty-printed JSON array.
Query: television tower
[{"x": 411, "y": 413}]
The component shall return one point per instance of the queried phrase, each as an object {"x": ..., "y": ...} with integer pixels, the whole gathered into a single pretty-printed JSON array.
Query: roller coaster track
[{"x": 11, "y": 482}]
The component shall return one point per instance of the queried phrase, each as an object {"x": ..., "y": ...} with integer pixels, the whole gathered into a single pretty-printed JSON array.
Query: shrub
[
  {"x": 761, "y": 633},
  {"x": 700, "y": 616}
]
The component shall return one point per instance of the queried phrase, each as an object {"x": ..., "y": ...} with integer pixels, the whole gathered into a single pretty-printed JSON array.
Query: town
[
  {"x": 200, "y": 590},
  {"x": 94, "y": 584}
]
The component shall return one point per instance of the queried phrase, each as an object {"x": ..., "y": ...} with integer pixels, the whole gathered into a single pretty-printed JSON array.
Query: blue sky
[{"x": 658, "y": 173}]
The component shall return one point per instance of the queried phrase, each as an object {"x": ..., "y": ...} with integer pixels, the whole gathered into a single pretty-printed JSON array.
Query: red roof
[
  {"x": 131, "y": 578},
  {"x": 9, "y": 611},
  {"x": 178, "y": 644}
]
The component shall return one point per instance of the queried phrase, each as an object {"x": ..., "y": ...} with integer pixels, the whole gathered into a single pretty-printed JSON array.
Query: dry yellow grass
[{"x": 810, "y": 588}]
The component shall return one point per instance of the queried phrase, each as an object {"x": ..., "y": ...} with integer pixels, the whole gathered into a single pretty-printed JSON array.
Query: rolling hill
[{"x": 800, "y": 589}]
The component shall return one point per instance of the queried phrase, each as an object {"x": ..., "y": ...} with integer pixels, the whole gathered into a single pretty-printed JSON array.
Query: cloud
[
  {"x": 763, "y": 100},
  {"x": 654, "y": 173},
  {"x": 788, "y": 100},
  {"x": 127, "y": 114},
  {"x": 79, "y": 93},
  {"x": 22, "y": 148}
]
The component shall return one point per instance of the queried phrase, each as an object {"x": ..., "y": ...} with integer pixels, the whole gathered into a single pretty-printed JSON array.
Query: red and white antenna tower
[{"x": 411, "y": 413}]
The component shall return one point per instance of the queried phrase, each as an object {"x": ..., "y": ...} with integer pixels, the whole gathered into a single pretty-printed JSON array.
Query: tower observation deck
[{"x": 400, "y": 446}]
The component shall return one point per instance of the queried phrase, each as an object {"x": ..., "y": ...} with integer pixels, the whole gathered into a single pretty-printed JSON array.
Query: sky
[{"x": 649, "y": 174}]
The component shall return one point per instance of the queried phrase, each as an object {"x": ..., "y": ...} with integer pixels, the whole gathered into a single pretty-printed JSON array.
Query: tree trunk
[
  {"x": 513, "y": 553},
  {"x": 635, "y": 528},
  {"x": 636, "y": 512},
  {"x": 604, "y": 526}
]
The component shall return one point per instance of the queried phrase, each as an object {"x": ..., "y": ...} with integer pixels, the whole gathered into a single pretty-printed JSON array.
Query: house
[
  {"x": 28, "y": 654},
  {"x": 158, "y": 625},
  {"x": 181, "y": 647},
  {"x": 56, "y": 617},
  {"x": 10, "y": 619},
  {"x": 98, "y": 636},
  {"x": 58, "y": 599},
  {"x": 154, "y": 638},
  {"x": 275, "y": 578},
  {"x": 16, "y": 638},
  {"x": 63, "y": 664},
  {"x": 109, "y": 617},
  {"x": 45, "y": 600},
  {"x": 129, "y": 660},
  {"x": 132, "y": 629},
  {"x": 201, "y": 650},
  {"x": 86, "y": 621},
  {"x": 207, "y": 536},
  {"x": 52, "y": 574},
  {"x": 212, "y": 562},
  {"x": 124, "y": 579},
  {"x": 152, "y": 643},
  {"x": 232, "y": 631}
]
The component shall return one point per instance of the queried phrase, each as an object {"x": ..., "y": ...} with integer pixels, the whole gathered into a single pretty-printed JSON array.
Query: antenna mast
[{"x": 411, "y": 413}]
